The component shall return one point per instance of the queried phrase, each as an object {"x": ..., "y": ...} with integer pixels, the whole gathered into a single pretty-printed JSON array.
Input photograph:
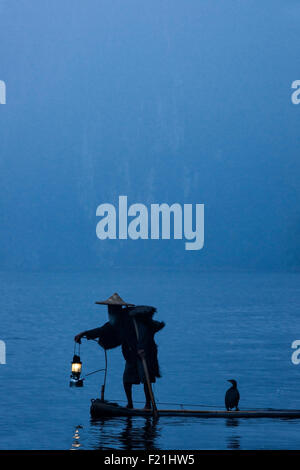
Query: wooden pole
[
  {"x": 154, "y": 408},
  {"x": 104, "y": 384}
]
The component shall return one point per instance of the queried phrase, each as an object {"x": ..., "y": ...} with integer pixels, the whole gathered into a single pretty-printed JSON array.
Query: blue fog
[
  {"x": 173, "y": 101},
  {"x": 162, "y": 102}
]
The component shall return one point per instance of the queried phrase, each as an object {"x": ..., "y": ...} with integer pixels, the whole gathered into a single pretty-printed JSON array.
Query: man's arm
[
  {"x": 89, "y": 334},
  {"x": 108, "y": 336}
]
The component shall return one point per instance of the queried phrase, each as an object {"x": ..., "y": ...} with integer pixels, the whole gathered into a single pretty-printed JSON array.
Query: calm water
[{"x": 219, "y": 326}]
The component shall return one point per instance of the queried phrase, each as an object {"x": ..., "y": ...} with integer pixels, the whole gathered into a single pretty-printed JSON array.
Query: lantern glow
[{"x": 76, "y": 367}]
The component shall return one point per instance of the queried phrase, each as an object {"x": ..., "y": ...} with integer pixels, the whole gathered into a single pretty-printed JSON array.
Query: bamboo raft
[{"x": 101, "y": 409}]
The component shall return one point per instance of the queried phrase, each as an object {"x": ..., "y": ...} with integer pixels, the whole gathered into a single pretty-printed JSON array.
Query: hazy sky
[{"x": 184, "y": 101}]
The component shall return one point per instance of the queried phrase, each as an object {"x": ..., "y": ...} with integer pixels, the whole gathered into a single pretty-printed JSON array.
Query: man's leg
[
  {"x": 148, "y": 398},
  {"x": 128, "y": 391}
]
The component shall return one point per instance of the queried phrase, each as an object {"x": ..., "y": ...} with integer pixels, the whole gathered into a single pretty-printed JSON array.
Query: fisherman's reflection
[
  {"x": 133, "y": 434},
  {"x": 233, "y": 440}
]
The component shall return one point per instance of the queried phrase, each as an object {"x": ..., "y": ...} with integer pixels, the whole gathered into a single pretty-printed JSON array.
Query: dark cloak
[{"x": 123, "y": 334}]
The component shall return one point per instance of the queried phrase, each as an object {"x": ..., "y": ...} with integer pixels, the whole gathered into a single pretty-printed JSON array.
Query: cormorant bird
[{"x": 232, "y": 396}]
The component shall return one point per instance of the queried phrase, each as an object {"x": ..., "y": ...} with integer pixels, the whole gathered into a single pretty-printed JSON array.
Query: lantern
[{"x": 76, "y": 371}]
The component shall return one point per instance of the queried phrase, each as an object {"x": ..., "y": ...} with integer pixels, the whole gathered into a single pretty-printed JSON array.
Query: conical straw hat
[{"x": 114, "y": 299}]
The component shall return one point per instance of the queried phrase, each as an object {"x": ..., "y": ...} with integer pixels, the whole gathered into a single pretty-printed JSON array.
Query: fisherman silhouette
[
  {"x": 232, "y": 396},
  {"x": 132, "y": 328}
]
